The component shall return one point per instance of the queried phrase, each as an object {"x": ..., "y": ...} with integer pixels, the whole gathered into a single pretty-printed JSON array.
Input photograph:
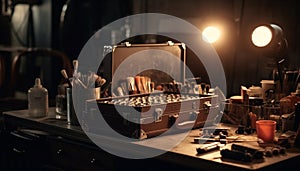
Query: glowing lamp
[
  {"x": 211, "y": 34},
  {"x": 270, "y": 38},
  {"x": 261, "y": 36}
]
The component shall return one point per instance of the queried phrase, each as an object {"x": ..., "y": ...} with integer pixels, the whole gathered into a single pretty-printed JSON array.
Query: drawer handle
[
  {"x": 18, "y": 151},
  {"x": 59, "y": 151},
  {"x": 96, "y": 162},
  {"x": 93, "y": 161}
]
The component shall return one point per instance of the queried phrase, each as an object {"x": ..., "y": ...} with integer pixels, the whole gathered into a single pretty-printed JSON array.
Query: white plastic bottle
[{"x": 38, "y": 100}]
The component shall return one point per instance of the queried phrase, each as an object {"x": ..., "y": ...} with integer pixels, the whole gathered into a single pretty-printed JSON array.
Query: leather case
[{"x": 147, "y": 115}]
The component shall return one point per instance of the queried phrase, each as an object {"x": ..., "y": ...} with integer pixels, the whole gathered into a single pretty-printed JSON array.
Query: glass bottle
[{"x": 38, "y": 100}]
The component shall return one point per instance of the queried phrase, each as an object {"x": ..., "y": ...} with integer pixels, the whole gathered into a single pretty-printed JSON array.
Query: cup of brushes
[{"x": 81, "y": 87}]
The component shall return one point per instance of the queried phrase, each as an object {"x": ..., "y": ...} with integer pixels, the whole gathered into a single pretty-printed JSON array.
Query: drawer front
[
  {"x": 76, "y": 156},
  {"x": 24, "y": 151}
]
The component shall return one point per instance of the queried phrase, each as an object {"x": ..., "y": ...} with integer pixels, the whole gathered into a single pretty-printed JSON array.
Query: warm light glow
[
  {"x": 261, "y": 36},
  {"x": 211, "y": 34}
]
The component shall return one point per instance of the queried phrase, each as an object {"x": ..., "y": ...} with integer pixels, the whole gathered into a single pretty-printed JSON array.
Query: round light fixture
[
  {"x": 273, "y": 44},
  {"x": 271, "y": 39},
  {"x": 261, "y": 36}
]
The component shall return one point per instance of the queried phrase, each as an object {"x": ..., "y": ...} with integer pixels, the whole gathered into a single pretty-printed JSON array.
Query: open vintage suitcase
[
  {"x": 151, "y": 114},
  {"x": 147, "y": 115}
]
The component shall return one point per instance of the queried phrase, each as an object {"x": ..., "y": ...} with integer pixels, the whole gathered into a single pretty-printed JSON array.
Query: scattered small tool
[{"x": 208, "y": 147}]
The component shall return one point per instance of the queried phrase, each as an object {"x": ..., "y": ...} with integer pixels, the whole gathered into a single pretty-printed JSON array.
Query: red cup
[{"x": 265, "y": 130}]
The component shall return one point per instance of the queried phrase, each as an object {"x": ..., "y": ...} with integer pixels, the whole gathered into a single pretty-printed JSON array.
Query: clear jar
[{"x": 61, "y": 100}]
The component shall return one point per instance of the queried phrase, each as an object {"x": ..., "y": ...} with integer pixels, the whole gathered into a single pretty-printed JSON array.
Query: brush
[{"x": 65, "y": 75}]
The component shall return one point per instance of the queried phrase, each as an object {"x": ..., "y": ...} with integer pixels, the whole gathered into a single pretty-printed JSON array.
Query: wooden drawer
[{"x": 71, "y": 155}]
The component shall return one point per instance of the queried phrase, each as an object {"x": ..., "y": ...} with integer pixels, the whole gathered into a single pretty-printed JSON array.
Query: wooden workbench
[{"x": 183, "y": 155}]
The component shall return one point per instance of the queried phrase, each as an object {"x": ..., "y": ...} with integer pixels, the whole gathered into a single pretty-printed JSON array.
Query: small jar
[{"x": 61, "y": 100}]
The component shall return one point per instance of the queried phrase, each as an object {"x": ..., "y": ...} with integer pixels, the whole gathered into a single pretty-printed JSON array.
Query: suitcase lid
[{"x": 163, "y": 62}]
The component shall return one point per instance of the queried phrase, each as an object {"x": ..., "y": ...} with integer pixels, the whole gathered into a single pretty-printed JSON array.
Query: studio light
[
  {"x": 272, "y": 43},
  {"x": 271, "y": 39}
]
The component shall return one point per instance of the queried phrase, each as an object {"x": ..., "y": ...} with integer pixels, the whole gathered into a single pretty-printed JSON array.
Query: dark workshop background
[{"x": 243, "y": 63}]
